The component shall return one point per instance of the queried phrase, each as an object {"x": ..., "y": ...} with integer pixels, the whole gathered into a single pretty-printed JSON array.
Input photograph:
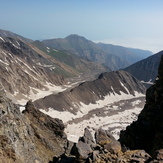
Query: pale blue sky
[{"x": 131, "y": 23}]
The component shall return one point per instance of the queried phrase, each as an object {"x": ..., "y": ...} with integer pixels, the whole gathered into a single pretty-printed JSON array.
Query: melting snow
[
  {"x": 2, "y": 39},
  {"x": 149, "y": 82},
  {"x": 4, "y": 62},
  {"x": 84, "y": 109},
  {"x": 74, "y": 131},
  {"x": 55, "y": 50},
  {"x": 51, "y": 89}
]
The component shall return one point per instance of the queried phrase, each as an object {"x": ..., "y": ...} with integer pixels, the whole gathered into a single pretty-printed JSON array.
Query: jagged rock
[
  {"x": 83, "y": 151},
  {"x": 147, "y": 132},
  {"x": 134, "y": 156},
  {"x": 107, "y": 141},
  {"x": 29, "y": 137},
  {"x": 69, "y": 149},
  {"x": 159, "y": 155},
  {"x": 63, "y": 159},
  {"x": 87, "y": 138},
  {"x": 95, "y": 155},
  {"x": 37, "y": 117}
]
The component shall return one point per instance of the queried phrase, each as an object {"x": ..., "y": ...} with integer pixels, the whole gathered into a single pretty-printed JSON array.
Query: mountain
[
  {"x": 146, "y": 70},
  {"x": 87, "y": 69},
  {"x": 4, "y": 33},
  {"x": 127, "y": 56},
  {"x": 146, "y": 133},
  {"x": 97, "y": 101},
  {"x": 115, "y": 57},
  {"x": 25, "y": 70},
  {"x": 78, "y": 45},
  {"x": 31, "y": 136}
]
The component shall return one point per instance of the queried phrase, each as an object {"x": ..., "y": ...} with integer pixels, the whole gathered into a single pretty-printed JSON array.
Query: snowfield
[
  {"x": 36, "y": 93},
  {"x": 113, "y": 113}
]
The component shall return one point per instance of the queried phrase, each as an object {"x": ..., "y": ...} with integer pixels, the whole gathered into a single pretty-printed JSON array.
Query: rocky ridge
[
  {"x": 29, "y": 137},
  {"x": 111, "y": 83}
]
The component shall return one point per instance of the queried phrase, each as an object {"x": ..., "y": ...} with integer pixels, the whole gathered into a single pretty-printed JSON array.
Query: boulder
[
  {"x": 88, "y": 138},
  {"x": 107, "y": 141},
  {"x": 83, "y": 151}
]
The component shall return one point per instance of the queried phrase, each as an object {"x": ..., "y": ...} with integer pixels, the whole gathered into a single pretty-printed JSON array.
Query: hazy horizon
[{"x": 136, "y": 24}]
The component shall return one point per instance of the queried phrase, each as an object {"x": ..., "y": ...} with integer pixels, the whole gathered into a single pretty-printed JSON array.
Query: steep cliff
[{"x": 147, "y": 132}]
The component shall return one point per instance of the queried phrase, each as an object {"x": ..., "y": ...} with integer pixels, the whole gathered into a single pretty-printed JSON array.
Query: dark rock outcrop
[
  {"x": 107, "y": 141},
  {"x": 147, "y": 132}
]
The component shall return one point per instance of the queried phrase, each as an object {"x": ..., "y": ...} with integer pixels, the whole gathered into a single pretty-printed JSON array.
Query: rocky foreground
[{"x": 33, "y": 137}]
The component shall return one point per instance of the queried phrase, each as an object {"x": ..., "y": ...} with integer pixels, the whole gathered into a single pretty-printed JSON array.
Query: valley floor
[
  {"x": 113, "y": 113},
  {"x": 114, "y": 117}
]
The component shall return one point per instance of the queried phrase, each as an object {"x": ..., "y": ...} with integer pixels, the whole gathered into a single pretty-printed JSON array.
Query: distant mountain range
[
  {"x": 72, "y": 48},
  {"x": 115, "y": 57},
  {"x": 33, "y": 65},
  {"x": 146, "y": 70}
]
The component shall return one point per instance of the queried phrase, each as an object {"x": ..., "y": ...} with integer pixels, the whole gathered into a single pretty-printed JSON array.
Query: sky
[{"x": 130, "y": 23}]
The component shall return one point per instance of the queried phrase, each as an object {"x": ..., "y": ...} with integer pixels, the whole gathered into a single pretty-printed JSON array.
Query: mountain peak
[{"x": 75, "y": 36}]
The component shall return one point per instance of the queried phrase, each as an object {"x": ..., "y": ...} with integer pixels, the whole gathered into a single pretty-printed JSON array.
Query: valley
[{"x": 53, "y": 91}]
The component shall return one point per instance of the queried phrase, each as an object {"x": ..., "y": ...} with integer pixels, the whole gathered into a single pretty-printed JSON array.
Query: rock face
[
  {"x": 147, "y": 132},
  {"x": 31, "y": 137}
]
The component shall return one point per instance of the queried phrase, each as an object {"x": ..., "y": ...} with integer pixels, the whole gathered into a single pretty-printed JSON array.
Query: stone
[
  {"x": 83, "y": 151},
  {"x": 87, "y": 138},
  {"x": 159, "y": 155},
  {"x": 134, "y": 156},
  {"x": 107, "y": 141}
]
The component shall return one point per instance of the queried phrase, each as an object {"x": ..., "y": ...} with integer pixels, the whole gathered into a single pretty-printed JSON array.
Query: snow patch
[
  {"x": 118, "y": 121},
  {"x": 2, "y": 39},
  {"x": 35, "y": 93},
  {"x": 149, "y": 82},
  {"x": 44, "y": 65},
  {"x": 75, "y": 130},
  {"x": 124, "y": 87},
  {"x": 55, "y": 50},
  {"x": 4, "y": 62}
]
